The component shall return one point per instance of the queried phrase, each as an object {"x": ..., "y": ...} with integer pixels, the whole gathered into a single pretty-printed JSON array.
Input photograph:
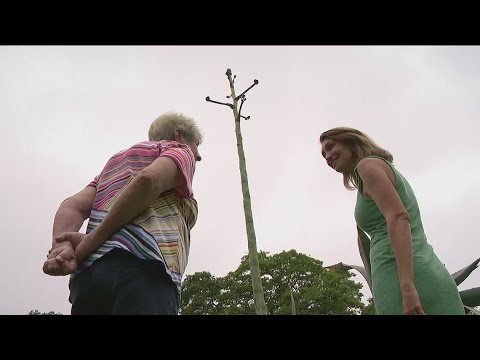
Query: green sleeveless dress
[{"x": 435, "y": 286}]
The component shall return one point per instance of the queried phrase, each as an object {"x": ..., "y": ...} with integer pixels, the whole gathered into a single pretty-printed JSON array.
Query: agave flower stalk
[{"x": 258, "y": 296}]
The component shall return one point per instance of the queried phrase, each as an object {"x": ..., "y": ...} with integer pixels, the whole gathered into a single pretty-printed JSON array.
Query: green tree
[
  {"x": 201, "y": 294},
  {"x": 316, "y": 290},
  {"x": 36, "y": 312},
  {"x": 370, "y": 308}
]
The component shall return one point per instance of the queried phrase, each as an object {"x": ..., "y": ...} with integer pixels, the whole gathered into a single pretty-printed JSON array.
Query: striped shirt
[{"x": 162, "y": 232}]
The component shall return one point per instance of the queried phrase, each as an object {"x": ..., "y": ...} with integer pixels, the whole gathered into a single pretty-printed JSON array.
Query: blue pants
[{"x": 119, "y": 283}]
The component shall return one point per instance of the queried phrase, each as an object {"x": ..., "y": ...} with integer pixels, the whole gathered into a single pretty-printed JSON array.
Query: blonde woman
[{"x": 407, "y": 276}]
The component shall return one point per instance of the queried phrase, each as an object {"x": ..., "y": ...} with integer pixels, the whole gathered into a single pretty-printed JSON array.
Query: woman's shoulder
[
  {"x": 372, "y": 162},
  {"x": 373, "y": 166}
]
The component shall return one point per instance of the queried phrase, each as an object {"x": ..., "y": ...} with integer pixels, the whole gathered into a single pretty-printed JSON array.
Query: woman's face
[
  {"x": 339, "y": 156},
  {"x": 193, "y": 144}
]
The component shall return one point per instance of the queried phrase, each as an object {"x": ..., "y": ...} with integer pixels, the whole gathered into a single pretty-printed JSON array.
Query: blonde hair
[
  {"x": 164, "y": 127},
  {"x": 361, "y": 145}
]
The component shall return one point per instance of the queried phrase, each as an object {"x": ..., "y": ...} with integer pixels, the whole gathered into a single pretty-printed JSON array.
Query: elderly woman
[
  {"x": 141, "y": 210},
  {"x": 407, "y": 276}
]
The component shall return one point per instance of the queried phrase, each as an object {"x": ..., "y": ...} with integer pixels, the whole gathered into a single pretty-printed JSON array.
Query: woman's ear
[{"x": 178, "y": 136}]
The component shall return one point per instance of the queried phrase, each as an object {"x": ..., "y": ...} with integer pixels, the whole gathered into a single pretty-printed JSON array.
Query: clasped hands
[{"x": 64, "y": 256}]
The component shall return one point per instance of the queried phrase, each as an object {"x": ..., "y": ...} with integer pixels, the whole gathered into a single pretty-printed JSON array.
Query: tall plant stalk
[{"x": 258, "y": 297}]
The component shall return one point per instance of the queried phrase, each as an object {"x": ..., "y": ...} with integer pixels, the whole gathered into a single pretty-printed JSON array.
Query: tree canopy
[
  {"x": 315, "y": 290},
  {"x": 36, "y": 312}
]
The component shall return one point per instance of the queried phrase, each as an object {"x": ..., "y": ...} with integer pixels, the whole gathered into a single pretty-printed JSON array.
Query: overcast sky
[{"x": 66, "y": 110}]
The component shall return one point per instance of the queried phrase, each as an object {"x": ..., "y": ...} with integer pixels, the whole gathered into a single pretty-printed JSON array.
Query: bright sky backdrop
[{"x": 66, "y": 109}]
